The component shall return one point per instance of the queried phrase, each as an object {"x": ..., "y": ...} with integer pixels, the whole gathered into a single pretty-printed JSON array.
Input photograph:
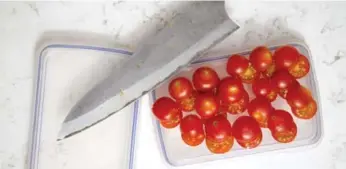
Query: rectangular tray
[
  {"x": 177, "y": 153},
  {"x": 65, "y": 73}
]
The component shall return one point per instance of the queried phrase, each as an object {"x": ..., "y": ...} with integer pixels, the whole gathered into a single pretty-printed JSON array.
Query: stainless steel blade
[{"x": 190, "y": 34}]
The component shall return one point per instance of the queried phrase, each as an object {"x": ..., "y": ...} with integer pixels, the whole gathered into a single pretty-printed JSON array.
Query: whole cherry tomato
[
  {"x": 266, "y": 88},
  {"x": 261, "y": 58},
  {"x": 236, "y": 107},
  {"x": 306, "y": 112},
  {"x": 300, "y": 68},
  {"x": 205, "y": 79},
  {"x": 239, "y": 66},
  {"x": 173, "y": 122},
  {"x": 180, "y": 88},
  {"x": 285, "y": 57},
  {"x": 282, "y": 126},
  {"x": 207, "y": 105},
  {"x": 297, "y": 97},
  {"x": 247, "y": 132},
  {"x": 260, "y": 109},
  {"x": 282, "y": 81},
  {"x": 218, "y": 129},
  {"x": 166, "y": 109},
  {"x": 188, "y": 103},
  {"x": 192, "y": 131},
  {"x": 230, "y": 90}
]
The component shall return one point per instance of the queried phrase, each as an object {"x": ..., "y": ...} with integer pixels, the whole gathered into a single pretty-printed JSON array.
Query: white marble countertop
[{"x": 321, "y": 25}]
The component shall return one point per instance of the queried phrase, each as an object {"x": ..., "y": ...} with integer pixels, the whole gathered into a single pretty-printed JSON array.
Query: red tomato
[
  {"x": 282, "y": 126},
  {"x": 180, "y": 88},
  {"x": 230, "y": 90},
  {"x": 250, "y": 75},
  {"x": 260, "y": 109},
  {"x": 285, "y": 57},
  {"x": 297, "y": 97},
  {"x": 207, "y": 105},
  {"x": 300, "y": 68},
  {"x": 237, "y": 65},
  {"x": 236, "y": 107},
  {"x": 192, "y": 131},
  {"x": 270, "y": 71},
  {"x": 247, "y": 132},
  {"x": 220, "y": 147},
  {"x": 166, "y": 109},
  {"x": 188, "y": 104},
  {"x": 205, "y": 79},
  {"x": 306, "y": 112},
  {"x": 173, "y": 122},
  {"x": 282, "y": 81},
  {"x": 218, "y": 129},
  {"x": 265, "y": 87},
  {"x": 261, "y": 58}
]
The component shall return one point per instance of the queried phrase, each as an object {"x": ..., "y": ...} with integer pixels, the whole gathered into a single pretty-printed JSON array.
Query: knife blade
[{"x": 192, "y": 32}]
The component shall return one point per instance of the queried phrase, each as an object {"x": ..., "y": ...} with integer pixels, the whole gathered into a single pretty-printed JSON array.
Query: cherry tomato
[
  {"x": 205, "y": 79},
  {"x": 192, "y": 132},
  {"x": 230, "y": 90},
  {"x": 180, "y": 88},
  {"x": 270, "y": 71},
  {"x": 282, "y": 126},
  {"x": 188, "y": 104},
  {"x": 166, "y": 109},
  {"x": 207, "y": 105},
  {"x": 282, "y": 81},
  {"x": 236, "y": 107},
  {"x": 265, "y": 87},
  {"x": 306, "y": 112},
  {"x": 239, "y": 66},
  {"x": 218, "y": 129},
  {"x": 261, "y": 58},
  {"x": 297, "y": 97},
  {"x": 247, "y": 132},
  {"x": 172, "y": 123},
  {"x": 285, "y": 57},
  {"x": 220, "y": 147},
  {"x": 300, "y": 68},
  {"x": 260, "y": 109}
]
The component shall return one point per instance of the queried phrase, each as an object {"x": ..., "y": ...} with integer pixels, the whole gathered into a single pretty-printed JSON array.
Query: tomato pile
[{"x": 271, "y": 75}]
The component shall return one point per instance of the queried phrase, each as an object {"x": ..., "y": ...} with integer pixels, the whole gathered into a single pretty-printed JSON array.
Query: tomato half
[
  {"x": 250, "y": 75},
  {"x": 230, "y": 90},
  {"x": 282, "y": 81},
  {"x": 192, "y": 131},
  {"x": 166, "y": 109},
  {"x": 306, "y": 112},
  {"x": 261, "y": 58},
  {"x": 187, "y": 104},
  {"x": 285, "y": 57},
  {"x": 174, "y": 122},
  {"x": 207, "y": 105},
  {"x": 300, "y": 68},
  {"x": 282, "y": 126},
  {"x": 264, "y": 87},
  {"x": 220, "y": 147},
  {"x": 297, "y": 97},
  {"x": 247, "y": 132},
  {"x": 236, "y": 107},
  {"x": 205, "y": 79},
  {"x": 218, "y": 129},
  {"x": 180, "y": 88},
  {"x": 260, "y": 109},
  {"x": 270, "y": 71}
]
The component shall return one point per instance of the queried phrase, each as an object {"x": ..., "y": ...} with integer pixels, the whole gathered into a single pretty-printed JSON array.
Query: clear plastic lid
[{"x": 65, "y": 74}]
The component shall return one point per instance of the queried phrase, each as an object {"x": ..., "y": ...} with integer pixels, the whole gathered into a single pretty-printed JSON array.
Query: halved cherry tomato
[
  {"x": 236, "y": 107},
  {"x": 285, "y": 57},
  {"x": 260, "y": 109},
  {"x": 166, "y": 109},
  {"x": 218, "y": 129},
  {"x": 261, "y": 58},
  {"x": 188, "y": 104},
  {"x": 247, "y": 132},
  {"x": 192, "y": 131},
  {"x": 239, "y": 66},
  {"x": 306, "y": 112},
  {"x": 207, "y": 105},
  {"x": 300, "y": 68},
  {"x": 173, "y": 122},
  {"x": 282, "y": 126},
  {"x": 205, "y": 79},
  {"x": 180, "y": 88},
  {"x": 220, "y": 147},
  {"x": 282, "y": 81},
  {"x": 270, "y": 71},
  {"x": 265, "y": 87},
  {"x": 230, "y": 90},
  {"x": 297, "y": 97}
]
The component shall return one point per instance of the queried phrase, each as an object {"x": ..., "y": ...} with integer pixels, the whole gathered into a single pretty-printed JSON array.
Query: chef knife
[{"x": 193, "y": 31}]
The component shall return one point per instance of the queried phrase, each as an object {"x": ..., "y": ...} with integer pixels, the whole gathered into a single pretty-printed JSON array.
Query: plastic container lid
[{"x": 65, "y": 74}]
